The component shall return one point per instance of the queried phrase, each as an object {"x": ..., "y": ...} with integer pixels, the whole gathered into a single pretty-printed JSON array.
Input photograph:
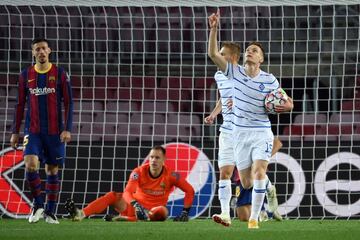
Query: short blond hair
[{"x": 234, "y": 48}]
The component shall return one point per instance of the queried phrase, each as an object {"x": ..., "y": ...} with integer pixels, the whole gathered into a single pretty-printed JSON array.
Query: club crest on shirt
[
  {"x": 52, "y": 78},
  {"x": 162, "y": 185},
  {"x": 261, "y": 87},
  {"x": 134, "y": 176}
]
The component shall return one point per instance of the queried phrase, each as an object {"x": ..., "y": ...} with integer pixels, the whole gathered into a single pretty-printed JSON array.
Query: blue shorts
[
  {"x": 243, "y": 195},
  {"x": 48, "y": 148}
]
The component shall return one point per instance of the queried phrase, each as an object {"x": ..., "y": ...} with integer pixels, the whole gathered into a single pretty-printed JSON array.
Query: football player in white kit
[
  {"x": 226, "y": 163},
  {"x": 252, "y": 135}
]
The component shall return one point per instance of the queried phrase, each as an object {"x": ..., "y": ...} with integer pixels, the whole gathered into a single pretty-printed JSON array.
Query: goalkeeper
[{"x": 149, "y": 186}]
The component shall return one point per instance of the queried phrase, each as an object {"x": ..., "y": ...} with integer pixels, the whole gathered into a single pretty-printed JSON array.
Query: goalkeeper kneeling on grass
[{"x": 149, "y": 186}]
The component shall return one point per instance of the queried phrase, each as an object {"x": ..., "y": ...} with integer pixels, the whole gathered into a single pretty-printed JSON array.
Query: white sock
[
  {"x": 258, "y": 195},
  {"x": 268, "y": 183},
  {"x": 225, "y": 195}
]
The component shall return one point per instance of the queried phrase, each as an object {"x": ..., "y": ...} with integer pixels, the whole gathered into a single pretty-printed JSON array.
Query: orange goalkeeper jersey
[{"x": 151, "y": 192}]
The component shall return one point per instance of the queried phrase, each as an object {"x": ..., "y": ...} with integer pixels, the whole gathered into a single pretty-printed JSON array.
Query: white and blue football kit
[
  {"x": 252, "y": 135},
  {"x": 226, "y": 150}
]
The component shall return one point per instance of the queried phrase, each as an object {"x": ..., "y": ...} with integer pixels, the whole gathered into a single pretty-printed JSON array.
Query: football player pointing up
[{"x": 253, "y": 138}]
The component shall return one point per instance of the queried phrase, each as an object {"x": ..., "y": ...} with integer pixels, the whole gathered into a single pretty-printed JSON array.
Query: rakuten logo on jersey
[{"x": 41, "y": 91}]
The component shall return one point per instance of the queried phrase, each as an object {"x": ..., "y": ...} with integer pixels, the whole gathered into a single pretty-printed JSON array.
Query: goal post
[{"x": 141, "y": 76}]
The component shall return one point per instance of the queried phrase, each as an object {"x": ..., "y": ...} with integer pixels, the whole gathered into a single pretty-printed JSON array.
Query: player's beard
[{"x": 42, "y": 59}]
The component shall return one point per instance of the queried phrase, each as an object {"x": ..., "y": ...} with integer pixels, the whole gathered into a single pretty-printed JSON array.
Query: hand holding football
[{"x": 275, "y": 98}]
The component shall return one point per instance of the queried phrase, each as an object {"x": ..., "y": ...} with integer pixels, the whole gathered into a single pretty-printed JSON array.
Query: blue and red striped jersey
[{"x": 43, "y": 94}]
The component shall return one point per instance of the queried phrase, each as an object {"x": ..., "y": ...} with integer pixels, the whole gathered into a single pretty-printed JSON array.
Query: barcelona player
[
  {"x": 149, "y": 186},
  {"x": 43, "y": 88}
]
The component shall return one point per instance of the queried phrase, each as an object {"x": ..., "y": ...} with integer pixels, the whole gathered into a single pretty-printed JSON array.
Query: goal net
[{"x": 141, "y": 77}]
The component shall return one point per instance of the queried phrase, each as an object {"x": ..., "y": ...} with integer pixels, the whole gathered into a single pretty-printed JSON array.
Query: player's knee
[
  {"x": 51, "y": 169},
  {"x": 31, "y": 168},
  {"x": 119, "y": 203},
  {"x": 225, "y": 175},
  {"x": 111, "y": 194},
  {"x": 31, "y": 163},
  {"x": 259, "y": 174},
  {"x": 111, "y": 198},
  {"x": 226, "y": 172},
  {"x": 259, "y": 169}
]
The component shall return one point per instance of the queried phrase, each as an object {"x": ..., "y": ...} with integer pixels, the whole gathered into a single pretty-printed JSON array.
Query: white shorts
[
  {"x": 250, "y": 146},
  {"x": 226, "y": 150}
]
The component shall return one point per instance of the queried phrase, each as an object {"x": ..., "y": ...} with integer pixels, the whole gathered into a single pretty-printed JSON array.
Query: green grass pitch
[{"x": 195, "y": 229}]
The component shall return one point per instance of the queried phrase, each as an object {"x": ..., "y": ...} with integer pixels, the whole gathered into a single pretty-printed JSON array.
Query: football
[
  {"x": 275, "y": 98},
  {"x": 159, "y": 213}
]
